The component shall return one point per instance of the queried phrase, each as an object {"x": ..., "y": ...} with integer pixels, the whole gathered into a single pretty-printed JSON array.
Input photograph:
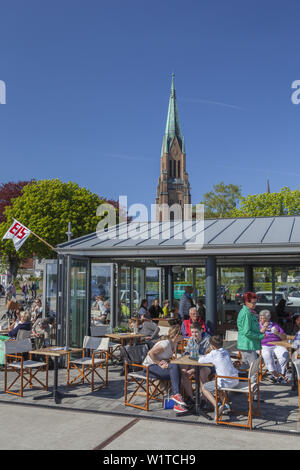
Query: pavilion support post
[
  {"x": 211, "y": 293},
  {"x": 131, "y": 291},
  {"x": 249, "y": 278},
  {"x": 68, "y": 300},
  {"x": 273, "y": 292},
  {"x": 170, "y": 286},
  {"x": 115, "y": 296}
]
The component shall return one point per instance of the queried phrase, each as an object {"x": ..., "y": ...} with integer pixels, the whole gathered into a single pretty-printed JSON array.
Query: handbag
[{"x": 168, "y": 403}]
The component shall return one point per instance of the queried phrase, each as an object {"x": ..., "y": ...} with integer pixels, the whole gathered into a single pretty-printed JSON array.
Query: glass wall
[
  {"x": 124, "y": 293},
  {"x": 100, "y": 301},
  {"x": 152, "y": 285},
  {"x": 138, "y": 288},
  {"x": 78, "y": 301},
  {"x": 182, "y": 277},
  {"x": 50, "y": 288}
]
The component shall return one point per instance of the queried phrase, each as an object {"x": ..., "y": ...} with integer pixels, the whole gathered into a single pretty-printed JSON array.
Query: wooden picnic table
[
  {"x": 55, "y": 353},
  {"x": 186, "y": 360}
]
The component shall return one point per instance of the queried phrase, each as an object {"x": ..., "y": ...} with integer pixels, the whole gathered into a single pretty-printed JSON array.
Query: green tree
[
  {"x": 285, "y": 202},
  {"x": 46, "y": 207},
  {"x": 221, "y": 201}
]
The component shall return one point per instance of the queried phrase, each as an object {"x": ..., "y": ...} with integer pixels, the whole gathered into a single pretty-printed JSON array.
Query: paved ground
[
  {"x": 279, "y": 410},
  {"x": 28, "y": 427}
]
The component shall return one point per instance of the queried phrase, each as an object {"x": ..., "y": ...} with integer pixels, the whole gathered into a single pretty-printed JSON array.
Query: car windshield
[{"x": 266, "y": 298}]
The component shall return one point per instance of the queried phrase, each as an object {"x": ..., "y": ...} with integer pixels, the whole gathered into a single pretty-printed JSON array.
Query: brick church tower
[{"x": 173, "y": 184}]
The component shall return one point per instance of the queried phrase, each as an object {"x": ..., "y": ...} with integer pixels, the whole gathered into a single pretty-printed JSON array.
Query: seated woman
[
  {"x": 25, "y": 324},
  {"x": 134, "y": 324},
  {"x": 273, "y": 332},
  {"x": 16, "y": 320},
  {"x": 158, "y": 360}
]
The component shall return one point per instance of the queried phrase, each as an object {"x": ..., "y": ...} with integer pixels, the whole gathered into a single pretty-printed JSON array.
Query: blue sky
[{"x": 88, "y": 86}]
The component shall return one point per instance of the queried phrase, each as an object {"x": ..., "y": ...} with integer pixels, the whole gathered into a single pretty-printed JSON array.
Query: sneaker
[
  {"x": 288, "y": 377},
  {"x": 178, "y": 399},
  {"x": 180, "y": 409},
  {"x": 220, "y": 411},
  {"x": 280, "y": 380}
]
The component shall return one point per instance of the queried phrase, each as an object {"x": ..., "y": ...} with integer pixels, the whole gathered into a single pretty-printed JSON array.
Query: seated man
[
  {"x": 197, "y": 345},
  {"x": 149, "y": 329},
  {"x": 193, "y": 318},
  {"x": 41, "y": 331}
]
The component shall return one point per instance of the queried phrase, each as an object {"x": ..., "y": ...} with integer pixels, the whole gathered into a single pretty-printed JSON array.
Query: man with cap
[{"x": 186, "y": 303}]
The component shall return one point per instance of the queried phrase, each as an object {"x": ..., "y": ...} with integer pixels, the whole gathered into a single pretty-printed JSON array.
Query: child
[
  {"x": 197, "y": 344},
  {"x": 223, "y": 365}
]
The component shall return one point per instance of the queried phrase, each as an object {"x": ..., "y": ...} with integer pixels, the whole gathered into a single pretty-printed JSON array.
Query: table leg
[
  {"x": 198, "y": 396},
  {"x": 56, "y": 395}
]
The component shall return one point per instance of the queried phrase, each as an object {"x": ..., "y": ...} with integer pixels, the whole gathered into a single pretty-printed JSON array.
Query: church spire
[{"x": 172, "y": 125}]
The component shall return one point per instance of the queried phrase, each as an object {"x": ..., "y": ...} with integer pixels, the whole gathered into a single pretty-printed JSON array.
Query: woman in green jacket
[{"x": 249, "y": 335}]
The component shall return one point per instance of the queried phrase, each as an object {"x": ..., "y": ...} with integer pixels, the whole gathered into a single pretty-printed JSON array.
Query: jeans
[{"x": 171, "y": 373}]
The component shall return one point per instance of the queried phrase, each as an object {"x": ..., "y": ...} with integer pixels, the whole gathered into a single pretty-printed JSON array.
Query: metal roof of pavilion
[{"x": 225, "y": 237}]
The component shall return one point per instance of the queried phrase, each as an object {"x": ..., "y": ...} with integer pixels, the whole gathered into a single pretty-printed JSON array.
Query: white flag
[{"x": 18, "y": 233}]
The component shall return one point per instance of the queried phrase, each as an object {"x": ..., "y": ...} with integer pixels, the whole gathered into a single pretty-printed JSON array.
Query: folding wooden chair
[
  {"x": 138, "y": 375},
  {"x": 248, "y": 385},
  {"x": 87, "y": 367},
  {"x": 100, "y": 331},
  {"x": 26, "y": 370}
]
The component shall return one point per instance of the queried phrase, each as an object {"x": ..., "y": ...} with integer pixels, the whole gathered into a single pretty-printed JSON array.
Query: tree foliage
[
  {"x": 8, "y": 192},
  {"x": 46, "y": 207},
  {"x": 221, "y": 201},
  {"x": 285, "y": 202}
]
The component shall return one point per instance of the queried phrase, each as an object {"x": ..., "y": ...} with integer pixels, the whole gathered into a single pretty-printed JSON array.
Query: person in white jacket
[{"x": 220, "y": 358}]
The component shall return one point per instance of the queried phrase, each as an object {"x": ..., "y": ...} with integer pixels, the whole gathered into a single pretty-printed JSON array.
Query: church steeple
[
  {"x": 172, "y": 124},
  {"x": 173, "y": 185}
]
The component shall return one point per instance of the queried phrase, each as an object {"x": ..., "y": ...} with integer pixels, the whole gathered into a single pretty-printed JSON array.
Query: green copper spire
[{"x": 172, "y": 125}]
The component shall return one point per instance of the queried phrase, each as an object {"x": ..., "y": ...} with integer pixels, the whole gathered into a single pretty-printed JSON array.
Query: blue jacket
[{"x": 21, "y": 326}]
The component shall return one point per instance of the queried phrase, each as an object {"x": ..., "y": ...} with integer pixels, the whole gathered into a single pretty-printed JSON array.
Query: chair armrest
[
  {"x": 136, "y": 365},
  {"x": 228, "y": 377},
  {"x": 14, "y": 356}
]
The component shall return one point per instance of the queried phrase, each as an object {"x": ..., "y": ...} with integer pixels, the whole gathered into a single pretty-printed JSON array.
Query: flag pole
[{"x": 44, "y": 241}]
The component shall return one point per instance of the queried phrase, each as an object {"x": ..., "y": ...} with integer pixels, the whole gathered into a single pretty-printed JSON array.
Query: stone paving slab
[{"x": 279, "y": 410}]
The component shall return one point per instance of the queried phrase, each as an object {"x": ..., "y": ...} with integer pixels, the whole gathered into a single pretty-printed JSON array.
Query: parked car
[
  {"x": 265, "y": 298},
  {"x": 294, "y": 299}
]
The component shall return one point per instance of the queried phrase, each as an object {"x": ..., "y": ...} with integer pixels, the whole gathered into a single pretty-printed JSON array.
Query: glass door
[{"x": 79, "y": 289}]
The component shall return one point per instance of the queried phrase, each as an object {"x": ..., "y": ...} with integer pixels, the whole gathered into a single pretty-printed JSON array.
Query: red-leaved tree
[{"x": 8, "y": 192}]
